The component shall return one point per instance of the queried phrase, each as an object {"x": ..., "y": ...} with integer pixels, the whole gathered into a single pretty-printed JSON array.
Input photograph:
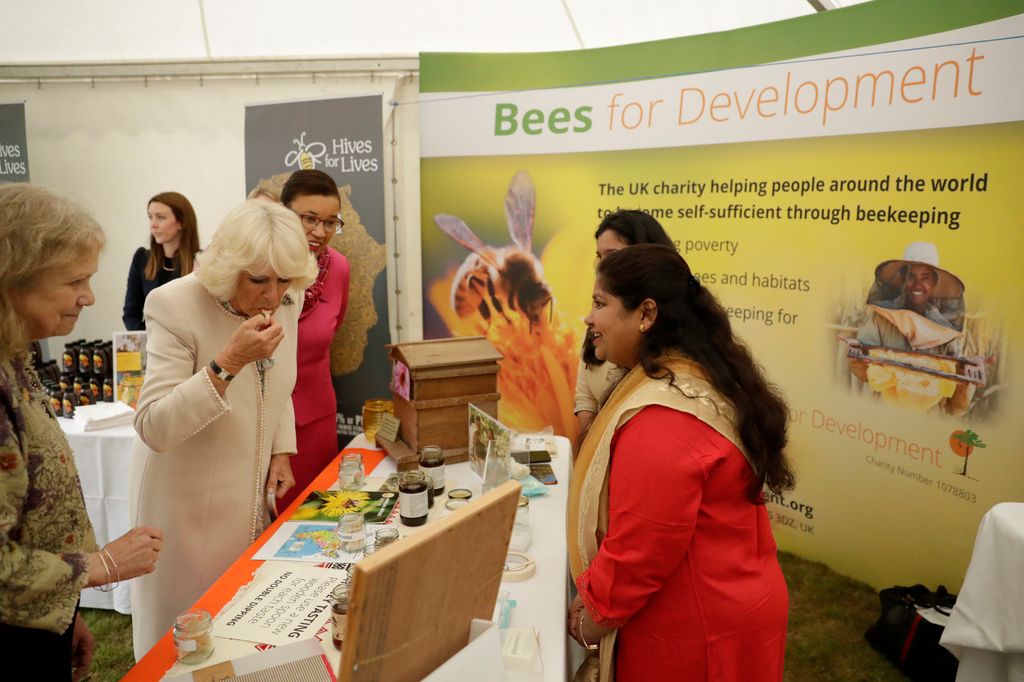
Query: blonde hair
[
  {"x": 267, "y": 189},
  {"x": 38, "y": 231},
  {"x": 253, "y": 236}
]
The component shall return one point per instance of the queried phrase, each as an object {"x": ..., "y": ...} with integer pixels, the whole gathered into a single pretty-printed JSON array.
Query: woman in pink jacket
[{"x": 313, "y": 195}]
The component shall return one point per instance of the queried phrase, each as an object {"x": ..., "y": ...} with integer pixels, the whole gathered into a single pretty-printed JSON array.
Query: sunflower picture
[{"x": 331, "y": 505}]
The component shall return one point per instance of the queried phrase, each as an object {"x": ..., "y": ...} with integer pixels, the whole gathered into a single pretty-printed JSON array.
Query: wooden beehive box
[{"x": 444, "y": 376}]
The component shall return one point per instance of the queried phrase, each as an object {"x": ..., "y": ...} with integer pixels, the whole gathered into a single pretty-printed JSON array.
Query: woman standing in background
[
  {"x": 617, "y": 230},
  {"x": 313, "y": 195},
  {"x": 173, "y": 244}
]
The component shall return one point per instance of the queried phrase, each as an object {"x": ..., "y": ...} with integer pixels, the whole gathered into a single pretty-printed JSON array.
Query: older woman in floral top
[{"x": 49, "y": 250}]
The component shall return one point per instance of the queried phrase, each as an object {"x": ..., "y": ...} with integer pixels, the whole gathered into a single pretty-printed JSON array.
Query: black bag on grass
[{"x": 910, "y": 641}]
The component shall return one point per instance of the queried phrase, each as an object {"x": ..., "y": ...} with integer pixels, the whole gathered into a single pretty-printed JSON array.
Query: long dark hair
[
  {"x": 633, "y": 227},
  {"x": 308, "y": 182},
  {"x": 188, "y": 244},
  {"x": 691, "y": 321}
]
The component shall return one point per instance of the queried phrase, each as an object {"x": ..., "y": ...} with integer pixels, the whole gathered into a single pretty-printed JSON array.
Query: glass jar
[
  {"x": 412, "y": 498},
  {"x": 523, "y": 511},
  {"x": 430, "y": 490},
  {"x": 351, "y": 475},
  {"x": 193, "y": 636},
  {"x": 384, "y": 537},
  {"x": 339, "y": 614},
  {"x": 352, "y": 532},
  {"x": 373, "y": 412},
  {"x": 432, "y": 464}
]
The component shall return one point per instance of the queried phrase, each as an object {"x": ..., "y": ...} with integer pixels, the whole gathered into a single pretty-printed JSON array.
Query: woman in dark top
[{"x": 173, "y": 244}]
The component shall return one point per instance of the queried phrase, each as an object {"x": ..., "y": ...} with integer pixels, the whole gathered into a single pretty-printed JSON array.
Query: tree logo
[{"x": 963, "y": 444}]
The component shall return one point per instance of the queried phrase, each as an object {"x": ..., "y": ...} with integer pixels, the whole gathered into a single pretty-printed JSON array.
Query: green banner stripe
[{"x": 871, "y": 23}]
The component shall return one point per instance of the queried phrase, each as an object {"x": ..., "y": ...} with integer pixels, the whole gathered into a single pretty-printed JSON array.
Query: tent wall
[{"x": 113, "y": 143}]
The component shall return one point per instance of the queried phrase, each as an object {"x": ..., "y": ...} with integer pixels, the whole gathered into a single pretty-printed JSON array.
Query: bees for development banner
[
  {"x": 342, "y": 137},
  {"x": 847, "y": 184}
]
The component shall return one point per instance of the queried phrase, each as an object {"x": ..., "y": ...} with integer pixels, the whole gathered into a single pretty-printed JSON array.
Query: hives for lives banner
[
  {"x": 343, "y": 137},
  {"x": 13, "y": 143},
  {"x": 848, "y": 185}
]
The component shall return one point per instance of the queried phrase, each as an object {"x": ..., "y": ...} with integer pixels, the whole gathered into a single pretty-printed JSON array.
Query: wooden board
[
  {"x": 443, "y": 422},
  {"x": 463, "y": 350},
  {"x": 406, "y": 459},
  {"x": 454, "y": 386},
  {"x": 413, "y": 601}
]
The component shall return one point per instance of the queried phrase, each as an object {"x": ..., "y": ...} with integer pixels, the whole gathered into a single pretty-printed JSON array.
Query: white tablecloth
[
  {"x": 542, "y": 600},
  {"x": 103, "y": 459},
  {"x": 986, "y": 627}
]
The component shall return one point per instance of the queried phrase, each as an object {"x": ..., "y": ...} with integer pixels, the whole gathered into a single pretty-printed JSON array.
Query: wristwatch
[{"x": 220, "y": 373}]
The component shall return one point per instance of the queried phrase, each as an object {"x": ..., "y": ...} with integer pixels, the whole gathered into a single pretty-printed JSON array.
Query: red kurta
[{"x": 688, "y": 569}]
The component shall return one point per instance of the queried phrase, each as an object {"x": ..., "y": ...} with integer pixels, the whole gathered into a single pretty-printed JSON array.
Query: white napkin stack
[{"x": 103, "y": 416}]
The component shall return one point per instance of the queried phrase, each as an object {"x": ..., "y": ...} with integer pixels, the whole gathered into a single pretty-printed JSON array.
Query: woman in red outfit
[
  {"x": 313, "y": 195},
  {"x": 669, "y": 540}
]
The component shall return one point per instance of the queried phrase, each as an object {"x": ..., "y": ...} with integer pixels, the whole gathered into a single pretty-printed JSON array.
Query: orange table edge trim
[{"x": 158, "y": 660}]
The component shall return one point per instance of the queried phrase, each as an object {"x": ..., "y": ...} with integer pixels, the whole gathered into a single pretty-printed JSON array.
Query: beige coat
[{"x": 200, "y": 462}]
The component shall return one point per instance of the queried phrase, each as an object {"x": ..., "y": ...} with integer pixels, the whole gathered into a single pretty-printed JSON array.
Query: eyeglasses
[{"x": 332, "y": 224}]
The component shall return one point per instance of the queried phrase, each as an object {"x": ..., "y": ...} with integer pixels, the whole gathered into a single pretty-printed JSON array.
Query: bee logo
[
  {"x": 305, "y": 156},
  {"x": 501, "y": 281}
]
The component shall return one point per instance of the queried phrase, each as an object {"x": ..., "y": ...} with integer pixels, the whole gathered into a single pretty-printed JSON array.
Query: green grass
[
  {"x": 828, "y": 614},
  {"x": 113, "y": 633}
]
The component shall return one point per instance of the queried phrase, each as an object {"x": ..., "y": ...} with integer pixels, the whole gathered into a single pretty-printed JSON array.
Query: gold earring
[{"x": 642, "y": 327}]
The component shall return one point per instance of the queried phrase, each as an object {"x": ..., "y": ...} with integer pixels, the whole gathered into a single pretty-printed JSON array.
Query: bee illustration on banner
[
  {"x": 496, "y": 281},
  {"x": 305, "y": 156},
  {"x": 500, "y": 292}
]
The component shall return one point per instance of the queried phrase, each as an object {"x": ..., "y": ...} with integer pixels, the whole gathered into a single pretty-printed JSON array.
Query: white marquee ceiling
[{"x": 76, "y": 31}]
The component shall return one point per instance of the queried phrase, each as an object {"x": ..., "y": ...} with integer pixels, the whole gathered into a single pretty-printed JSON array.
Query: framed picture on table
[{"x": 486, "y": 434}]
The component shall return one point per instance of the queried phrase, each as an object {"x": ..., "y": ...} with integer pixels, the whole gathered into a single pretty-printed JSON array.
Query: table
[
  {"x": 542, "y": 599},
  {"x": 103, "y": 459},
  {"x": 986, "y": 627}
]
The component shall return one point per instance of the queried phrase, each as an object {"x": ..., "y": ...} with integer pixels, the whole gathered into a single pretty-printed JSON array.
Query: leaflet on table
[
  {"x": 331, "y": 505},
  {"x": 302, "y": 660},
  {"x": 129, "y": 365},
  {"x": 310, "y": 542},
  {"x": 279, "y": 607}
]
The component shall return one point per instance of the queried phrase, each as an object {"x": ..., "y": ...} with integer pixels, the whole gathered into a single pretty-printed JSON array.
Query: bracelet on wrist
[
  {"x": 105, "y": 587},
  {"x": 117, "y": 568},
  {"x": 583, "y": 639}
]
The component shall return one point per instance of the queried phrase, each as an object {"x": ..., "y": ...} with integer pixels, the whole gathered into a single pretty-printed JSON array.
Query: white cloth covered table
[
  {"x": 103, "y": 459},
  {"x": 986, "y": 627},
  {"x": 542, "y": 600}
]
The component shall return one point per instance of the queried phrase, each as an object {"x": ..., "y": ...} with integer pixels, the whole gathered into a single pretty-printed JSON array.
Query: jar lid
[
  {"x": 524, "y": 501},
  {"x": 452, "y": 505},
  {"x": 459, "y": 494},
  {"x": 192, "y": 620}
]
